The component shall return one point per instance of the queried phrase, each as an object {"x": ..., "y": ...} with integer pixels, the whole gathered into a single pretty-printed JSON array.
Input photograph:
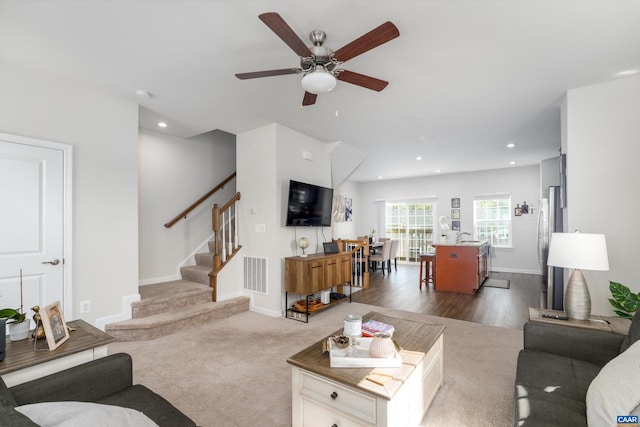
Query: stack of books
[{"x": 371, "y": 327}]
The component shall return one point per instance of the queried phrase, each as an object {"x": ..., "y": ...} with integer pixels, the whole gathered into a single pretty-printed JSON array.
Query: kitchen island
[{"x": 461, "y": 267}]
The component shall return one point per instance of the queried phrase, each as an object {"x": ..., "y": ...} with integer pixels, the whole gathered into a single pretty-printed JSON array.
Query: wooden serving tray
[{"x": 314, "y": 305}]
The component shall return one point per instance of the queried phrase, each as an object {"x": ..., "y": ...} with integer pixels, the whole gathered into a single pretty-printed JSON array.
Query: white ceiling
[{"x": 466, "y": 77}]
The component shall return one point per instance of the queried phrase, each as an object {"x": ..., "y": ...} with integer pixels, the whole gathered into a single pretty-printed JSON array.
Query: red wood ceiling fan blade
[
  {"x": 372, "y": 39},
  {"x": 362, "y": 80},
  {"x": 284, "y": 31},
  {"x": 309, "y": 99}
]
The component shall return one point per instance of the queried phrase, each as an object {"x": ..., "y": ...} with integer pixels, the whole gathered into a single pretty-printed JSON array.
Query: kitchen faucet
[{"x": 460, "y": 234}]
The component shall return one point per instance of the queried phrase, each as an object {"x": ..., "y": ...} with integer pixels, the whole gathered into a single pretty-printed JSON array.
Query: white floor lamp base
[{"x": 577, "y": 301}]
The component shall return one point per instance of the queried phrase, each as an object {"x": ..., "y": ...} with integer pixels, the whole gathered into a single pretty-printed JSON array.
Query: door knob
[{"x": 54, "y": 261}]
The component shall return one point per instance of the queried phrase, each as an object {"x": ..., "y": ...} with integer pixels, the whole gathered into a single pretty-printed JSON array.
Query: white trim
[
  {"x": 127, "y": 300},
  {"x": 157, "y": 280},
  {"x": 67, "y": 249}
]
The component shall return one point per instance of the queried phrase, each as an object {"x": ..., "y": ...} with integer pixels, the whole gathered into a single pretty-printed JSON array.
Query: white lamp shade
[
  {"x": 578, "y": 250},
  {"x": 319, "y": 81}
]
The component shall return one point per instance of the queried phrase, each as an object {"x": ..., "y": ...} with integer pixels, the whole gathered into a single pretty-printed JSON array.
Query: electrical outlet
[{"x": 85, "y": 306}]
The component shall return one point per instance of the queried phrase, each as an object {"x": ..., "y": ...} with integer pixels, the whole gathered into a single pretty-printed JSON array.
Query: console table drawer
[
  {"x": 338, "y": 397},
  {"x": 316, "y": 415}
]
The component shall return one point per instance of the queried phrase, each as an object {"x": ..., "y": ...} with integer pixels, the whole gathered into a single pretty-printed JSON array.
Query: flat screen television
[{"x": 309, "y": 205}]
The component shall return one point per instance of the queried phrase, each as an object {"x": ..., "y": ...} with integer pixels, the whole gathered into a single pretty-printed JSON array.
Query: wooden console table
[
  {"x": 23, "y": 364},
  {"x": 322, "y": 395},
  {"x": 314, "y": 273}
]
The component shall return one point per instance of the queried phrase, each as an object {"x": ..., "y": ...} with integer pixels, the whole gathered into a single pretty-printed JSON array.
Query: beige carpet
[{"x": 233, "y": 372}]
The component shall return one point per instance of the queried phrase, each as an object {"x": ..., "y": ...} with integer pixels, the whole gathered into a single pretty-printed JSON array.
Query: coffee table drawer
[
  {"x": 338, "y": 397},
  {"x": 314, "y": 414}
]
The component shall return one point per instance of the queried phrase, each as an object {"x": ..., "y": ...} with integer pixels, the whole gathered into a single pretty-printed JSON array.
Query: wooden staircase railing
[
  {"x": 360, "y": 260},
  {"x": 225, "y": 235},
  {"x": 198, "y": 202}
]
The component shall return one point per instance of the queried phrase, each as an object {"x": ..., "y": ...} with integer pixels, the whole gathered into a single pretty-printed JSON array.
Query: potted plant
[
  {"x": 16, "y": 319},
  {"x": 625, "y": 303}
]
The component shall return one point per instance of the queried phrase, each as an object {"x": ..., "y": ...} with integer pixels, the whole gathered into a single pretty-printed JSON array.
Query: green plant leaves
[
  {"x": 12, "y": 314},
  {"x": 624, "y": 302}
]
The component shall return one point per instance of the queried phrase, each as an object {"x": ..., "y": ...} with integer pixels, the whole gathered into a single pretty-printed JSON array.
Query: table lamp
[{"x": 580, "y": 251}]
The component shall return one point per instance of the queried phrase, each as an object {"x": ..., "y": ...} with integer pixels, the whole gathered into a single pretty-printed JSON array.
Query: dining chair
[
  {"x": 382, "y": 256},
  {"x": 393, "y": 254}
]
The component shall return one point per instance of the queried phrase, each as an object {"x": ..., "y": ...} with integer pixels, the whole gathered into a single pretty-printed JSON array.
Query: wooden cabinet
[
  {"x": 461, "y": 268},
  {"x": 314, "y": 273}
]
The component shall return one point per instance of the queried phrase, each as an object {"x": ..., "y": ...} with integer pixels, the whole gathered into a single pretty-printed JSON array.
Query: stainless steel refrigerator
[{"x": 550, "y": 221}]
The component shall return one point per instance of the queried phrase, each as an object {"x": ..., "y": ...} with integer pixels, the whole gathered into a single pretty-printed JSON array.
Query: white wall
[
  {"x": 602, "y": 135},
  {"x": 523, "y": 183},
  {"x": 267, "y": 158},
  {"x": 104, "y": 133},
  {"x": 173, "y": 174},
  {"x": 342, "y": 229}
]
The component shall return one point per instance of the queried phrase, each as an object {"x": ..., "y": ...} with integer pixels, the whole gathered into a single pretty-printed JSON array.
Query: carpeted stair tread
[
  {"x": 169, "y": 296},
  {"x": 204, "y": 259},
  {"x": 196, "y": 273},
  {"x": 162, "y": 324}
]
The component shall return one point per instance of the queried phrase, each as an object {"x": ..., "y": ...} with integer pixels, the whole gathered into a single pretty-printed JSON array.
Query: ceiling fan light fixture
[{"x": 318, "y": 81}]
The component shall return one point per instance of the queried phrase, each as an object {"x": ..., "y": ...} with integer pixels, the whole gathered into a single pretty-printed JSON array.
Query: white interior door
[{"x": 32, "y": 185}]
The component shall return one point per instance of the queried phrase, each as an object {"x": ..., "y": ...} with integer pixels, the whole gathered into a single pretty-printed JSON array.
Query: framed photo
[
  {"x": 455, "y": 202},
  {"x": 455, "y": 213},
  {"x": 455, "y": 225},
  {"x": 55, "y": 328}
]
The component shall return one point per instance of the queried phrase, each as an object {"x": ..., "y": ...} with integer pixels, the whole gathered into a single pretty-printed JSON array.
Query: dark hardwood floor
[{"x": 507, "y": 308}]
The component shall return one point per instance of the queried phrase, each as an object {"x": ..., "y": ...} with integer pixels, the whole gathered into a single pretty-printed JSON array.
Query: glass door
[{"x": 412, "y": 224}]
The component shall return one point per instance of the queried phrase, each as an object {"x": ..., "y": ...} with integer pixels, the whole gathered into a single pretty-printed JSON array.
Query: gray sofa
[
  {"x": 108, "y": 380},
  {"x": 556, "y": 368}
]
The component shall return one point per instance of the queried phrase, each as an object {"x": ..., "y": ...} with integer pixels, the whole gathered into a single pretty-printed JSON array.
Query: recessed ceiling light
[
  {"x": 162, "y": 124},
  {"x": 337, "y": 113},
  {"x": 379, "y": 177},
  {"x": 512, "y": 162},
  {"x": 511, "y": 145},
  {"x": 419, "y": 158},
  {"x": 437, "y": 170}
]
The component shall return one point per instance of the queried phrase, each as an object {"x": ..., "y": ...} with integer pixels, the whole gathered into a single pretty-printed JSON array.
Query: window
[
  {"x": 492, "y": 219},
  {"x": 412, "y": 223}
]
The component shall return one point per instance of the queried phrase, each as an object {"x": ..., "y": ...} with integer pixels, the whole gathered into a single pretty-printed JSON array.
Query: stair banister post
[
  {"x": 216, "y": 237},
  {"x": 235, "y": 227}
]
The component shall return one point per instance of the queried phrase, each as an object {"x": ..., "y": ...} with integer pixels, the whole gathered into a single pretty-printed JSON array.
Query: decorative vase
[
  {"x": 19, "y": 331},
  {"x": 382, "y": 346}
]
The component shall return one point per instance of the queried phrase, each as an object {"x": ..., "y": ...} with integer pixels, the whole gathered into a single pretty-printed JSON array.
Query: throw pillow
[
  {"x": 82, "y": 414},
  {"x": 614, "y": 391},
  {"x": 634, "y": 333}
]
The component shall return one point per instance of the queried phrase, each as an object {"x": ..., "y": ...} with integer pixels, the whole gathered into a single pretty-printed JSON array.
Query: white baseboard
[
  {"x": 155, "y": 280},
  {"x": 101, "y": 322}
]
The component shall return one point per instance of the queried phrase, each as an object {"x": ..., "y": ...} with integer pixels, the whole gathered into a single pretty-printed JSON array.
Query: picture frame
[
  {"x": 55, "y": 328},
  {"x": 455, "y": 225},
  {"x": 455, "y": 213},
  {"x": 455, "y": 202}
]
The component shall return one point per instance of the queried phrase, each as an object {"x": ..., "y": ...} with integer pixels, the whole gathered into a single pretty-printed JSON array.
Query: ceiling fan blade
[
  {"x": 284, "y": 31},
  {"x": 373, "y": 38},
  {"x": 309, "y": 99},
  {"x": 362, "y": 80},
  {"x": 268, "y": 73}
]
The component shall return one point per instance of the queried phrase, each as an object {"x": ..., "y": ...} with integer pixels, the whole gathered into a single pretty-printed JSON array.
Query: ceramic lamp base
[{"x": 577, "y": 301}]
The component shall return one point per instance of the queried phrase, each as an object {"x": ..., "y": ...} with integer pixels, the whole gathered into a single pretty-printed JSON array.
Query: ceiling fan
[{"x": 319, "y": 64}]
